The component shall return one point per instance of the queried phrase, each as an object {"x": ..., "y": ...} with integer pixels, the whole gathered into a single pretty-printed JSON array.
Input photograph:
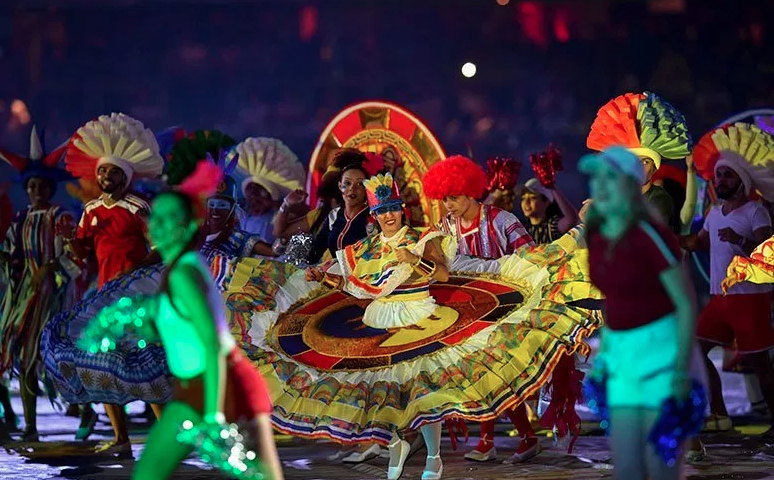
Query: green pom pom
[
  {"x": 112, "y": 323},
  {"x": 662, "y": 128}
]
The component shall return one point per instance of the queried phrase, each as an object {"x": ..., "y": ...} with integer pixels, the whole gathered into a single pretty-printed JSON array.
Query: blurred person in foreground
[{"x": 645, "y": 357}]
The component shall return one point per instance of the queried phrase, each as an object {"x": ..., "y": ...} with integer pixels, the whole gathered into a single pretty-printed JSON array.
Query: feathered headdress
[
  {"x": 271, "y": 164},
  {"x": 213, "y": 146},
  {"x": 746, "y": 149},
  {"x": 455, "y": 176},
  {"x": 382, "y": 193},
  {"x": 38, "y": 163},
  {"x": 118, "y": 140},
  {"x": 645, "y": 124}
]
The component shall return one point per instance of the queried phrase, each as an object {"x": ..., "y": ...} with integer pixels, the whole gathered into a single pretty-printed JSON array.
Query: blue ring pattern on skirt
[{"x": 118, "y": 377}]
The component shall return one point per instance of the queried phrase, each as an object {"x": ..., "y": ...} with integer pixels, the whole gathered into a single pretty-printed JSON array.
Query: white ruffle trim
[{"x": 398, "y": 314}]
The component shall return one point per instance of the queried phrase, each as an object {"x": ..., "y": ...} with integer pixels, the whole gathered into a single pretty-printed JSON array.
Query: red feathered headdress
[{"x": 455, "y": 176}]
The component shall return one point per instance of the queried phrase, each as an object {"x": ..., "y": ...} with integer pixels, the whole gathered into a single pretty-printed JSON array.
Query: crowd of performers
[{"x": 354, "y": 323}]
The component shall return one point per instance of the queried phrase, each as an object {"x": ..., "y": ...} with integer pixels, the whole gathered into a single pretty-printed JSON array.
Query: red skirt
[{"x": 246, "y": 393}]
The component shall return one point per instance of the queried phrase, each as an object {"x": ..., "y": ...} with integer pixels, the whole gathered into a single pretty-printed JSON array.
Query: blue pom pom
[{"x": 679, "y": 420}]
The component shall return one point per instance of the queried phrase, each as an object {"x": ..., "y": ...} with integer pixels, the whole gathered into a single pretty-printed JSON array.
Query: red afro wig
[{"x": 456, "y": 176}]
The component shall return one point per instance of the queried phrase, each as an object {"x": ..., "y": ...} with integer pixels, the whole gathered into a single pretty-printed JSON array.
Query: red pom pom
[
  {"x": 502, "y": 173},
  {"x": 546, "y": 164},
  {"x": 456, "y": 176}
]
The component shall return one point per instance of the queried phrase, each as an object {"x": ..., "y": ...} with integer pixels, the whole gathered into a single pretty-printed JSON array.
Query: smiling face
[
  {"x": 258, "y": 199},
  {"x": 170, "y": 226},
  {"x": 219, "y": 212},
  {"x": 39, "y": 191},
  {"x": 352, "y": 189},
  {"x": 533, "y": 205},
  {"x": 110, "y": 178},
  {"x": 390, "y": 220}
]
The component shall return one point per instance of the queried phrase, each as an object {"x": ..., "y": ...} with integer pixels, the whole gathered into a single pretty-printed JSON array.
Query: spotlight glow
[{"x": 469, "y": 70}]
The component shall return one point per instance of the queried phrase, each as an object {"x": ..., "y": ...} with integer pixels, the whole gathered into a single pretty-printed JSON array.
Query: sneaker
[
  {"x": 717, "y": 423},
  {"x": 527, "y": 449}
]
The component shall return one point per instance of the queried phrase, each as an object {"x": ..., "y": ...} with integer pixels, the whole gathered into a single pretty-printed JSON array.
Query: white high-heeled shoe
[
  {"x": 399, "y": 451},
  {"x": 431, "y": 475}
]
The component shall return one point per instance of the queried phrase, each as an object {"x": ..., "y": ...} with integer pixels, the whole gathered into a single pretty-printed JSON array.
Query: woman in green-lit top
[{"x": 213, "y": 382}]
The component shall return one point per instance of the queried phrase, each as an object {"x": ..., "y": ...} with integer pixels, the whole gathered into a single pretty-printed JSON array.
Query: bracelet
[
  {"x": 332, "y": 281},
  {"x": 426, "y": 267}
]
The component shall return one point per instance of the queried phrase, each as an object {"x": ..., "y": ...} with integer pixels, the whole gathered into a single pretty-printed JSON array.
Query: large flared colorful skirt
[
  {"x": 501, "y": 328},
  {"x": 120, "y": 376}
]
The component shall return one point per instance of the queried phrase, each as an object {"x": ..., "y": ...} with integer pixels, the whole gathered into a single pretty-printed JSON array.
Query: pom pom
[
  {"x": 104, "y": 332},
  {"x": 222, "y": 446},
  {"x": 455, "y": 176},
  {"x": 546, "y": 164},
  {"x": 203, "y": 182},
  {"x": 502, "y": 173},
  {"x": 595, "y": 393},
  {"x": 679, "y": 420}
]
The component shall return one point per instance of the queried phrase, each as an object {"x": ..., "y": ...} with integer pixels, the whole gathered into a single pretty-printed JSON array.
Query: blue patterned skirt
[{"x": 123, "y": 375}]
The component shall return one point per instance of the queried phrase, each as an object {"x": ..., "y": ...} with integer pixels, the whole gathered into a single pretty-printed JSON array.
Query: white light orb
[{"x": 469, "y": 70}]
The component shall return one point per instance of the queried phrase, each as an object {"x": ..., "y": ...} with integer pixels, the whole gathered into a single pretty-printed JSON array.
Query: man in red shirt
[
  {"x": 483, "y": 231},
  {"x": 114, "y": 149}
]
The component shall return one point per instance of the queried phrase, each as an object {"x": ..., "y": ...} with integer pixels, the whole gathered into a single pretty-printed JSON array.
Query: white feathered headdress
[
  {"x": 271, "y": 164},
  {"x": 118, "y": 140}
]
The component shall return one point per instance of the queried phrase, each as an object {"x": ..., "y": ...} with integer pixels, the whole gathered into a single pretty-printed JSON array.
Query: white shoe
[
  {"x": 477, "y": 456},
  {"x": 343, "y": 452},
  {"x": 430, "y": 474},
  {"x": 399, "y": 452},
  {"x": 360, "y": 457}
]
